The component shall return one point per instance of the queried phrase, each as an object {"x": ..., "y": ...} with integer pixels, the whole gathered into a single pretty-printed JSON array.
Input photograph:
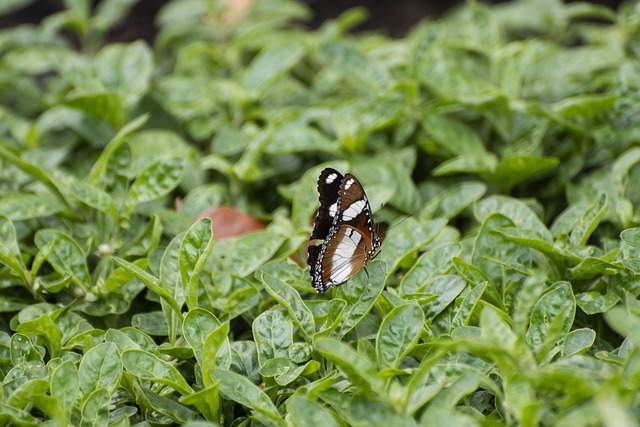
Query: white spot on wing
[
  {"x": 348, "y": 184},
  {"x": 344, "y": 252},
  {"x": 333, "y": 208},
  {"x": 330, "y": 178},
  {"x": 353, "y": 210}
]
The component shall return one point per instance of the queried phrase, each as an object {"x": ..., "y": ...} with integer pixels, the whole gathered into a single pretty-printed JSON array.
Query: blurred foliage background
[{"x": 509, "y": 133}]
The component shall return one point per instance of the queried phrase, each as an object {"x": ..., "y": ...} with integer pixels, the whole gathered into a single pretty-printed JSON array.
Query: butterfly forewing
[
  {"x": 329, "y": 191},
  {"x": 349, "y": 239},
  {"x": 353, "y": 204}
]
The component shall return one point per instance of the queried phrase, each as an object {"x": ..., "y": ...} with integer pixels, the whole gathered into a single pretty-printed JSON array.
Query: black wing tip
[{"x": 326, "y": 172}]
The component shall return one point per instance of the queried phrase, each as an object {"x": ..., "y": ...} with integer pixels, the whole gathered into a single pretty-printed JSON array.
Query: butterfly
[{"x": 345, "y": 222}]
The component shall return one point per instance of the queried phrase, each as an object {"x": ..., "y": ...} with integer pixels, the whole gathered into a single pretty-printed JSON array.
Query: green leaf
[
  {"x": 399, "y": 332},
  {"x": 93, "y": 197},
  {"x": 585, "y": 106},
  {"x": 239, "y": 389},
  {"x": 366, "y": 412},
  {"x": 485, "y": 163},
  {"x": 361, "y": 371},
  {"x": 360, "y": 293},
  {"x": 578, "y": 341},
  {"x": 631, "y": 236},
  {"x": 100, "y": 368},
  {"x": 171, "y": 282},
  {"x": 450, "y": 396},
  {"x": 95, "y": 410},
  {"x": 514, "y": 170},
  {"x": 114, "y": 158},
  {"x": 273, "y": 334},
  {"x": 150, "y": 282},
  {"x": 9, "y": 240},
  {"x": 431, "y": 264},
  {"x": 110, "y": 13},
  {"x": 216, "y": 352},
  {"x": 22, "y": 350},
  {"x": 9, "y": 249},
  {"x": 519, "y": 213},
  {"x": 588, "y": 223},
  {"x": 271, "y": 63},
  {"x": 453, "y": 136},
  {"x": 120, "y": 339},
  {"x": 391, "y": 170},
  {"x": 249, "y": 251},
  {"x": 65, "y": 384},
  {"x": 153, "y": 182},
  {"x": 551, "y": 320},
  {"x": 407, "y": 238},
  {"x": 454, "y": 200},
  {"x": 20, "y": 207},
  {"x": 18, "y": 417},
  {"x": 303, "y": 411},
  {"x": 290, "y": 299},
  {"x": 35, "y": 171},
  {"x": 45, "y": 327},
  {"x": 469, "y": 303},
  {"x": 126, "y": 69},
  {"x": 197, "y": 326},
  {"x": 106, "y": 106},
  {"x": 594, "y": 302},
  {"x": 169, "y": 408},
  {"x": 447, "y": 288},
  {"x": 499, "y": 260},
  {"x": 207, "y": 401},
  {"x": 21, "y": 396},
  {"x": 65, "y": 256},
  {"x": 476, "y": 277},
  {"x": 623, "y": 322},
  {"x": 147, "y": 366},
  {"x": 194, "y": 252}
]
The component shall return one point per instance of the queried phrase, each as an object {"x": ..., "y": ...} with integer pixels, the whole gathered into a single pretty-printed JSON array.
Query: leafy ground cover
[{"x": 509, "y": 297}]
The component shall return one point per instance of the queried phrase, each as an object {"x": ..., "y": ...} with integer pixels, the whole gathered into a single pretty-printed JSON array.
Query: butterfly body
[{"x": 345, "y": 222}]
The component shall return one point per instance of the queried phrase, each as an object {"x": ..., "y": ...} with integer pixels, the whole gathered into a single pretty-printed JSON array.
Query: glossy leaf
[
  {"x": 147, "y": 366},
  {"x": 100, "y": 369},
  {"x": 95, "y": 410},
  {"x": 430, "y": 265},
  {"x": 291, "y": 300},
  {"x": 65, "y": 385},
  {"x": 153, "y": 182},
  {"x": 239, "y": 389},
  {"x": 149, "y": 281},
  {"x": 407, "y": 238},
  {"x": 194, "y": 251},
  {"x": 65, "y": 256},
  {"x": 307, "y": 412},
  {"x": 360, "y": 295},
  {"x": 399, "y": 332},
  {"x": 198, "y": 324},
  {"x": 551, "y": 319},
  {"x": 359, "y": 370},
  {"x": 273, "y": 334}
]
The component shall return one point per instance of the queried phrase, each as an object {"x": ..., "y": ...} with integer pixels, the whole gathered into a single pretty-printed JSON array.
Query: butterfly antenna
[{"x": 403, "y": 220}]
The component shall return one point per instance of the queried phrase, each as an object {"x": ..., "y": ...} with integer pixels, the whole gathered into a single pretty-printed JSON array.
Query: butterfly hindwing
[
  {"x": 344, "y": 254},
  {"x": 349, "y": 240}
]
